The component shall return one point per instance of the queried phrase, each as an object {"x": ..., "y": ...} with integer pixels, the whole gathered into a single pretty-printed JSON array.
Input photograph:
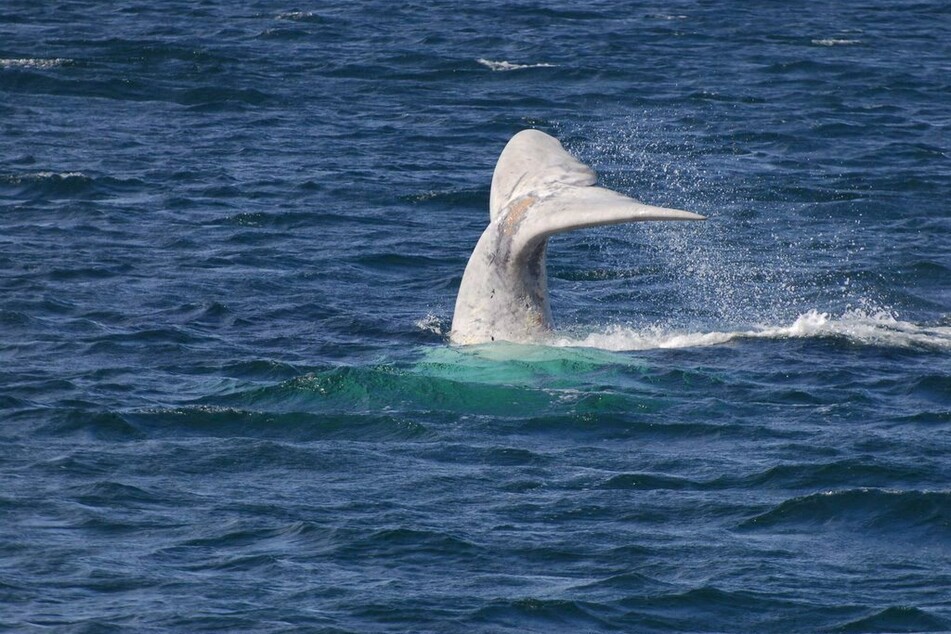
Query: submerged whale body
[{"x": 538, "y": 190}]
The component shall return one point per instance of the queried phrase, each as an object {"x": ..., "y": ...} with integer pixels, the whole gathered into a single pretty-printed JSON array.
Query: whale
[{"x": 538, "y": 190}]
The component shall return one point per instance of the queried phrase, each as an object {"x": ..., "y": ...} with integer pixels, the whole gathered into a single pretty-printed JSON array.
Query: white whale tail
[{"x": 538, "y": 190}]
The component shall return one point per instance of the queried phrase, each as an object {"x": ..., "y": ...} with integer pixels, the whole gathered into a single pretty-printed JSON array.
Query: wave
[
  {"x": 35, "y": 177},
  {"x": 835, "y": 42},
  {"x": 916, "y": 513},
  {"x": 503, "y": 65},
  {"x": 299, "y": 16},
  {"x": 30, "y": 62},
  {"x": 45, "y": 184},
  {"x": 856, "y": 326},
  {"x": 896, "y": 619}
]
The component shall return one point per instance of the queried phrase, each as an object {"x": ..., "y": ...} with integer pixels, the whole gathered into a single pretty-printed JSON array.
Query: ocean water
[{"x": 231, "y": 235}]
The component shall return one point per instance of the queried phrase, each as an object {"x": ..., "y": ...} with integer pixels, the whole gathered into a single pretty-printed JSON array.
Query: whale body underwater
[{"x": 538, "y": 190}]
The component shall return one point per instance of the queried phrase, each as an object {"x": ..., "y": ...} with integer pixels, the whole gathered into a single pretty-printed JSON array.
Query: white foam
[
  {"x": 835, "y": 42},
  {"x": 504, "y": 65},
  {"x": 33, "y": 63},
  {"x": 34, "y": 177},
  {"x": 296, "y": 15},
  {"x": 858, "y": 326}
]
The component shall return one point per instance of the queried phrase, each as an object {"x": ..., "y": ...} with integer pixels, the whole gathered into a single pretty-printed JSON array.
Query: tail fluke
[{"x": 539, "y": 189}]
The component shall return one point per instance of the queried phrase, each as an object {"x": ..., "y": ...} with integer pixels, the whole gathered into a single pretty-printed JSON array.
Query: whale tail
[{"x": 539, "y": 189}]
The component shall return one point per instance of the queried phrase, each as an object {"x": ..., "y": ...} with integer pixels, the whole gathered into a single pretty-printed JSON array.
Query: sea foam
[
  {"x": 502, "y": 65},
  {"x": 857, "y": 326}
]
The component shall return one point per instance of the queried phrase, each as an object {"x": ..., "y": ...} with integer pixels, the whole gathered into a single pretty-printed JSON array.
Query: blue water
[{"x": 231, "y": 235}]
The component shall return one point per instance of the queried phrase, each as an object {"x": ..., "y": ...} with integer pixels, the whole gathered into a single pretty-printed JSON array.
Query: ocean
[{"x": 231, "y": 237}]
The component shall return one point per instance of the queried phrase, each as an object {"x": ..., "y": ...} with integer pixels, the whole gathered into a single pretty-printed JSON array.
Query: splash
[
  {"x": 432, "y": 323},
  {"x": 504, "y": 65},
  {"x": 878, "y": 328},
  {"x": 760, "y": 256}
]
